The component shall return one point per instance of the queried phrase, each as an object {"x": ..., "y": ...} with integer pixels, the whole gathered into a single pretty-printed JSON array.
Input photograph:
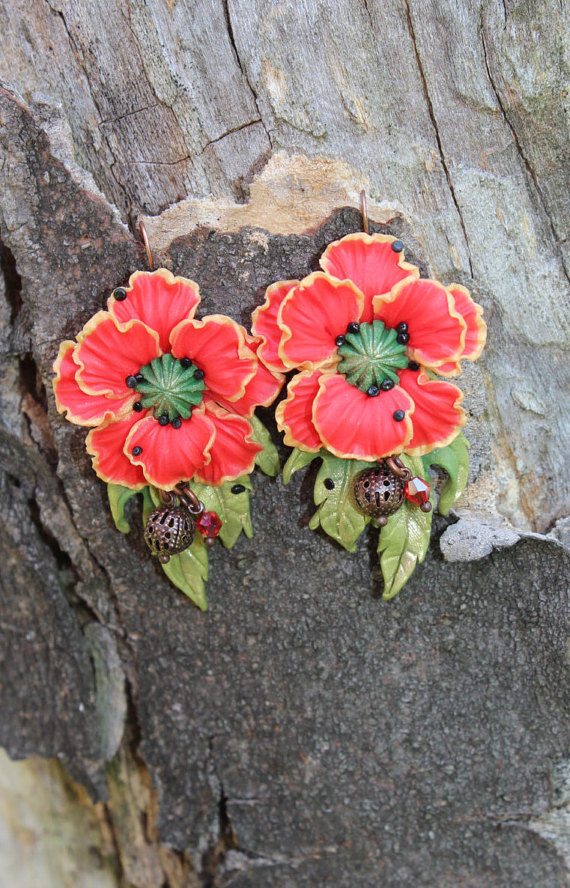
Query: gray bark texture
[{"x": 301, "y": 732}]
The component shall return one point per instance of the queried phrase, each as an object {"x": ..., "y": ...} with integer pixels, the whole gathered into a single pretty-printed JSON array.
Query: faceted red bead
[
  {"x": 209, "y": 524},
  {"x": 417, "y": 490}
]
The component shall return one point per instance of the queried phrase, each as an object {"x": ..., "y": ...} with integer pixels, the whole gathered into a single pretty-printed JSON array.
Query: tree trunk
[{"x": 301, "y": 732}]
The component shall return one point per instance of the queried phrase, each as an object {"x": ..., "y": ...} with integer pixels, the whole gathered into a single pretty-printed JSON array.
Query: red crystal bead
[
  {"x": 417, "y": 491},
  {"x": 209, "y": 524}
]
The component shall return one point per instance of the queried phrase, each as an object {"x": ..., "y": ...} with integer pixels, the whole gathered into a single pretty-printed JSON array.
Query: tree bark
[{"x": 301, "y": 732}]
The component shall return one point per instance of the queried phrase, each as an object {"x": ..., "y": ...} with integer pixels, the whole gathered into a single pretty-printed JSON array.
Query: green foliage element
[
  {"x": 149, "y": 504},
  {"x": 232, "y": 508},
  {"x": 189, "y": 570},
  {"x": 404, "y": 540},
  {"x": 268, "y": 458},
  {"x": 297, "y": 459},
  {"x": 118, "y": 498},
  {"x": 454, "y": 459},
  {"x": 337, "y": 513}
]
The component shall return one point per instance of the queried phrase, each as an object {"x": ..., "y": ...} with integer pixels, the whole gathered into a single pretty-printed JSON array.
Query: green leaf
[
  {"x": 337, "y": 514},
  {"x": 404, "y": 540},
  {"x": 298, "y": 459},
  {"x": 455, "y": 460},
  {"x": 268, "y": 458},
  {"x": 118, "y": 498},
  {"x": 148, "y": 504},
  {"x": 188, "y": 571},
  {"x": 232, "y": 508}
]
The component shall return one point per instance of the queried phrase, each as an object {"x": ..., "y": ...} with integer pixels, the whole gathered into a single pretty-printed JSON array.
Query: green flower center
[
  {"x": 371, "y": 355},
  {"x": 170, "y": 387}
]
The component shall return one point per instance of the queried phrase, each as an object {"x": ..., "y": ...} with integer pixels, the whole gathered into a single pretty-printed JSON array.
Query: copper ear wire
[
  {"x": 146, "y": 243},
  {"x": 364, "y": 211}
]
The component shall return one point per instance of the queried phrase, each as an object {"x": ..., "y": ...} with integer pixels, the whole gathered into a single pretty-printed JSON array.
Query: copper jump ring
[
  {"x": 190, "y": 500},
  {"x": 398, "y": 468}
]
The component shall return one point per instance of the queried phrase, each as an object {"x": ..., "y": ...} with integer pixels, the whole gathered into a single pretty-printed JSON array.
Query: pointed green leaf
[
  {"x": 118, "y": 498},
  {"x": 404, "y": 540},
  {"x": 455, "y": 460},
  {"x": 268, "y": 458},
  {"x": 231, "y": 504},
  {"x": 298, "y": 459},
  {"x": 188, "y": 571},
  {"x": 337, "y": 513}
]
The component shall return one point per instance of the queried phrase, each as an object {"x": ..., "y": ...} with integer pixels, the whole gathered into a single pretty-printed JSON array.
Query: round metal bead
[
  {"x": 169, "y": 530},
  {"x": 378, "y": 491}
]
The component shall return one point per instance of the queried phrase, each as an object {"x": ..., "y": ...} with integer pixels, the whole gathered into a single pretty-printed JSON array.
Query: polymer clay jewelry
[
  {"x": 369, "y": 339},
  {"x": 170, "y": 400}
]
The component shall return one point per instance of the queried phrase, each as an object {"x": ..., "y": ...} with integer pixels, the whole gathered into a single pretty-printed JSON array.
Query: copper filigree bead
[
  {"x": 168, "y": 531},
  {"x": 378, "y": 492}
]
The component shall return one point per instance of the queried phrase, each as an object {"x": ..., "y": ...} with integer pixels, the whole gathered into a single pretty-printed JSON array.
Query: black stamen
[
  {"x": 137, "y": 406},
  {"x": 238, "y": 488},
  {"x": 373, "y": 391},
  {"x": 387, "y": 384},
  {"x": 185, "y": 363},
  {"x": 176, "y": 422},
  {"x": 413, "y": 365},
  {"x": 139, "y": 377},
  {"x": 120, "y": 294},
  {"x": 137, "y": 451},
  {"x": 199, "y": 374},
  {"x": 397, "y": 246},
  {"x": 340, "y": 340},
  {"x": 402, "y": 328},
  {"x": 353, "y": 327},
  {"x": 398, "y": 415},
  {"x": 329, "y": 483},
  {"x": 131, "y": 381},
  {"x": 163, "y": 419},
  {"x": 403, "y": 338}
]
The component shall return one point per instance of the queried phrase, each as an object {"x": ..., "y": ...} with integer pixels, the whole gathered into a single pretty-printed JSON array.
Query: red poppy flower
[
  {"x": 364, "y": 332},
  {"x": 167, "y": 396}
]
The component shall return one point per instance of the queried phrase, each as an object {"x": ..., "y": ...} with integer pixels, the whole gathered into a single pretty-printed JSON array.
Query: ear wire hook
[
  {"x": 146, "y": 243},
  {"x": 364, "y": 211}
]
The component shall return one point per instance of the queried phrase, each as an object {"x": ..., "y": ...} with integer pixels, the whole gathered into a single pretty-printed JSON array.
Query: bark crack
[
  {"x": 520, "y": 151},
  {"x": 235, "y": 129},
  {"x": 243, "y": 69},
  {"x": 128, "y": 114},
  {"x": 433, "y": 119}
]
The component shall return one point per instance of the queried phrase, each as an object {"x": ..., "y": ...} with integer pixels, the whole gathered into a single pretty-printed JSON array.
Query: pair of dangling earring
[{"x": 170, "y": 401}]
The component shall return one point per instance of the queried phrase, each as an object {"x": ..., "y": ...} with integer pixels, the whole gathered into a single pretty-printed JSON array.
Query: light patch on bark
[{"x": 292, "y": 195}]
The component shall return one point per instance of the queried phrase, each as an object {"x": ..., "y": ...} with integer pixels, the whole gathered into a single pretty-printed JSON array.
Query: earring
[
  {"x": 170, "y": 402},
  {"x": 369, "y": 339}
]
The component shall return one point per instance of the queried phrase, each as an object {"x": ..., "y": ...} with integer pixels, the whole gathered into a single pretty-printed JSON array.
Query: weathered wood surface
[{"x": 300, "y": 732}]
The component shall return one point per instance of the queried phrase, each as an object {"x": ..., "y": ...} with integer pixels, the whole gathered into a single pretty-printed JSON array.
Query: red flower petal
[
  {"x": 82, "y": 409},
  {"x": 171, "y": 455},
  {"x": 294, "y": 415},
  {"x": 354, "y": 425},
  {"x": 233, "y": 452},
  {"x": 107, "y": 354},
  {"x": 369, "y": 261},
  {"x": 436, "y": 329},
  {"x": 264, "y": 324},
  {"x": 476, "y": 334},
  {"x": 159, "y": 300},
  {"x": 260, "y": 391},
  {"x": 311, "y": 317},
  {"x": 218, "y": 346},
  {"x": 106, "y": 444},
  {"x": 438, "y": 416}
]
